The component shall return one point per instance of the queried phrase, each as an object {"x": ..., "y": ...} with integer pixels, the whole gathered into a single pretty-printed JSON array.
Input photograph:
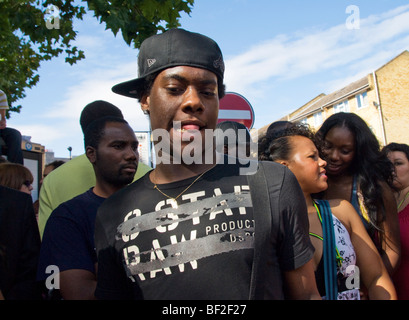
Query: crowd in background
[
  {"x": 355, "y": 192},
  {"x": 346, "y": 166}
]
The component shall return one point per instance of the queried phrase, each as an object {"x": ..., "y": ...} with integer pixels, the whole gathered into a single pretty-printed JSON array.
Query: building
[
  {"x": 34, "y": 160},
  {"x": 381, "y": 98}
]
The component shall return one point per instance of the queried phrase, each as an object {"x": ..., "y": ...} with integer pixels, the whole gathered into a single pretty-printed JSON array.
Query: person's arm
[
  {"x": 66, "y": 245},
  {"x": 3, "y": 123},
  {"x": 296, "y": 250},
  {"x": 390, "y": 244},
  {"x": 372, "y": 271},
  {"x": 300, "y": 283},
  {"x": 77, "y": 284}
]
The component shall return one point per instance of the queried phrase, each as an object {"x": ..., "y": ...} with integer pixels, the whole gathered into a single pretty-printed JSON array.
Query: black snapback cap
[{"x": 175, "y": 47}]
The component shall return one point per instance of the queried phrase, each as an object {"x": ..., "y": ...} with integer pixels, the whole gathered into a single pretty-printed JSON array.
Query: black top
[{"x": 203, "y": 249}]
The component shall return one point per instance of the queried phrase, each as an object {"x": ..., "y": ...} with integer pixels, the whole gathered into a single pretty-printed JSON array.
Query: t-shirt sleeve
[
  {"x": 295, "y": 247},
  {"x": 64, "y": 245}
]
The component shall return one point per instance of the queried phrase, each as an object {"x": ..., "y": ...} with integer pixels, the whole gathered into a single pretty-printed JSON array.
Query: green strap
[
  {"x": 330, "y": 265},
  {"x": 316, "y": 236}
]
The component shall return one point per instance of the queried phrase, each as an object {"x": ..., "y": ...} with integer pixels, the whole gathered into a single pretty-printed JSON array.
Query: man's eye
[
  {"x": 209, "y": 93},
  {"x": 174, "y": 90}
]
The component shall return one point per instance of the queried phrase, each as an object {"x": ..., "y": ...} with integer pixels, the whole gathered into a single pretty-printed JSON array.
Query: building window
[
  {"x": 341, "y": 107},
  {"x": 362, "y": 100},
  {"x": 304, "y": 121},
  {"x": 317, "y": 119}
]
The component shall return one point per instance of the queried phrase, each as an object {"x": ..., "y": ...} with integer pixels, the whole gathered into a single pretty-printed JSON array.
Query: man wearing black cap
[{"x": 187, "y": 229}]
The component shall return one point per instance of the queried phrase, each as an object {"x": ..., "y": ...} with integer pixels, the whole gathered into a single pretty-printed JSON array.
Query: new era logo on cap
[
  {"x": 151, "y": 62},
  {"x": 219, "y": 63}
]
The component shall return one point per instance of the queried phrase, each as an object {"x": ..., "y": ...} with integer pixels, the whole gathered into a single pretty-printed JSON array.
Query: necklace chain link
[
  {"x": 403, "y": 200},
  {"x": 187, "y": 188}
]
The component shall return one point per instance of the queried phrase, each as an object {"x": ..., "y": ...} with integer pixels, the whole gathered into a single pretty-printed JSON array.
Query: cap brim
[{"x": 129, "y": 88}]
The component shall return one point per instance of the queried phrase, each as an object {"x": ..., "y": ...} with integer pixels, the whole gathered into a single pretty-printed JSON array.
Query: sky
[{"x": 279, "y": 55}]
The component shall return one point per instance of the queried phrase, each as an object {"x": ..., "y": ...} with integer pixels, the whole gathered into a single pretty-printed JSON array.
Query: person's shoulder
[
  {"x": 15, "y": 205},
  {"x": 4, "y": 191},
  {"x": 76, "y": 162},
  {"x": 142, "y": 170},
  {"x": 75, "y": 167},
  {"x": 13, "y": 195},
  {"x": 127, "y": 193},
  {"x": 339, "y": 204},
  {"x": 343, "y": 210},
  {"x": 75, "y": 205},
  {"x": 144, "y": 167},
  {"x": 336, "y": 204}
]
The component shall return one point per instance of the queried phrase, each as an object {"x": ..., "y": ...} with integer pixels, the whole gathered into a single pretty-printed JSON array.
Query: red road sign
[{"x": 234, "y": 107}]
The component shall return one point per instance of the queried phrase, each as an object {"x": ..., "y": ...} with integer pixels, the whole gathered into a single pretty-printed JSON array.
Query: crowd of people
[{"x": 322, "y": 215}]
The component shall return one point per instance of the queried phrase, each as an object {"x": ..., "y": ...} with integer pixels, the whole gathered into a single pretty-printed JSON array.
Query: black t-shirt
[
  {"x": 68, "y": 240},
  {"x": 203, "y": 249}
]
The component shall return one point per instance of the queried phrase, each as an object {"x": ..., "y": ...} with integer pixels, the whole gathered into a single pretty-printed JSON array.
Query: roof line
[{"x": 355, "y": 91}]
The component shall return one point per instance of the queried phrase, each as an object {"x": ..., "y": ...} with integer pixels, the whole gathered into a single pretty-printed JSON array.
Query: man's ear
[
  {"x": 145, "y": 101},
  {"x": 91, "y": 154}
]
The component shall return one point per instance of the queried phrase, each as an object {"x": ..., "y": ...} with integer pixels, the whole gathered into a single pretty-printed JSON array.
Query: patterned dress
[{"x": 347, "y": 272}]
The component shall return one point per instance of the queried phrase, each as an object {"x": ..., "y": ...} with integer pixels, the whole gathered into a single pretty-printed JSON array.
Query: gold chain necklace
[
  {"x": 403, "y": 200},
  {"x": 187, "y": 188}
]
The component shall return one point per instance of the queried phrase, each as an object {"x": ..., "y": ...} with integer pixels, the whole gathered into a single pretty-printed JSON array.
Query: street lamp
[{"x": 69, "y": 149}]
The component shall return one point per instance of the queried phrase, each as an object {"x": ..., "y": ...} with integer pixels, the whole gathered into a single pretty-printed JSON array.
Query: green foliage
[{"x": 31, "y": 32}]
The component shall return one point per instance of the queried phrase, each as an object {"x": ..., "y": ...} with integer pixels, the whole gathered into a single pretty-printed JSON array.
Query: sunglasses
[{"x": 27, "y": 183}]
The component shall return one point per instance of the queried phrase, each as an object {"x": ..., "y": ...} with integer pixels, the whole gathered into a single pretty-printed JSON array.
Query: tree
[{"x": 35, "y": 31}]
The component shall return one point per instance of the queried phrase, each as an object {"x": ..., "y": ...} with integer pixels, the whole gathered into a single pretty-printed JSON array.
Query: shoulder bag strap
[
  {"x": 329, "y": 254},
  {"x": 261, "y": 204},
  {"x": 263, "y": 207}
]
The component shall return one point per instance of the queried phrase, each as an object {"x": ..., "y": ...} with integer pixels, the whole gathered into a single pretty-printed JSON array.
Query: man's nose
[
  {"x": 132, "y": 154},
  {"x": 192, "y": 101}
]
